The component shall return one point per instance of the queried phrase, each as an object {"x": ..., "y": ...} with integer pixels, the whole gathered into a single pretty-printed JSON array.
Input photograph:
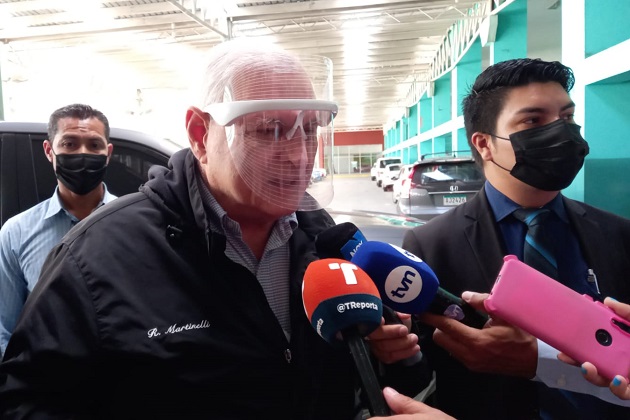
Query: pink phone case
[{"x": 575, "y": 324}]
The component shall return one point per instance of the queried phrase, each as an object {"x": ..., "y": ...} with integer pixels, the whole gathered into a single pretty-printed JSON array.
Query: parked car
[
  {"x": 27, "y": 177},
  {"x": 318, "y": 174},
  {"x": 389, "y": 176},
  {"x": 381, "y": 163},
  {"x": 373, "y": 171},
  {"x": 439, "y": 184},
  {"x": 402, "y": 178}
]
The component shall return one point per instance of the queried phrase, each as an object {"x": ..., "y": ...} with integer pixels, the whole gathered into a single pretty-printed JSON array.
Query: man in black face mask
[
  {"x": 519, "y": 124},
  {"x": 79, "y": 149}
]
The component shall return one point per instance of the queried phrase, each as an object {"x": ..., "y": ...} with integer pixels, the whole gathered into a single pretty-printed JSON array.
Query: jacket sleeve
[{"x": 49, "y": 368}]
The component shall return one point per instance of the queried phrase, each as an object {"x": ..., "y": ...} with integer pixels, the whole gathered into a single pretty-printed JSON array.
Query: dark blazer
[{"x": 465, "y": 248}]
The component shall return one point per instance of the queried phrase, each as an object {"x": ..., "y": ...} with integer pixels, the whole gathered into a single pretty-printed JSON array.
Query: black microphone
[
  {"x": 339, "y": 241},
  {"x": 343, "y": 305}
]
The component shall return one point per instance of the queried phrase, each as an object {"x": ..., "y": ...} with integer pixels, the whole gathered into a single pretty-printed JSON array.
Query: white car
[
  {"x": 380, "y": 167},
  {"x": 318, "y": 174},
  {"x": 389, "y": 175},
  {"x": 402, "y": 179},
  {"x": 373, "y": 172}
]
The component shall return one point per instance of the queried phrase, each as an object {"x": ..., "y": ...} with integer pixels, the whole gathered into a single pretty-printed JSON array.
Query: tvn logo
[{"x": 403, "y": 284}]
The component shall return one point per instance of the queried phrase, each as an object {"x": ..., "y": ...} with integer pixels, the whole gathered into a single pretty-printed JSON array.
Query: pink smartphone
[{"x": 575, "y": 324}]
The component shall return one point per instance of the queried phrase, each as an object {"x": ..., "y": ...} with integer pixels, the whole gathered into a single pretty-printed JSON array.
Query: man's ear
[
  {"x": 197, "y": 123},
  {"x": 48, "y": 150},
  {"x": 110, "y": 149},
  {"x": 482, "y": 142}
]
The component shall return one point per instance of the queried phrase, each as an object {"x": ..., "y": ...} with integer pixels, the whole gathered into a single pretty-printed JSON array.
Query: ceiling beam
[{"x": 330, "y": 7}]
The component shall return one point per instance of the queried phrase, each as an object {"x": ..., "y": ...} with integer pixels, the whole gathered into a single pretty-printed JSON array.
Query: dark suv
[
  {"x": 27, "y": 177},
  {"x": 437, "y": 184}
]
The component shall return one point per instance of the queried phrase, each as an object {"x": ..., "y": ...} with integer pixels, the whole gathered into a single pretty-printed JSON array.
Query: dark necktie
[{"x": 538, "y": 251}]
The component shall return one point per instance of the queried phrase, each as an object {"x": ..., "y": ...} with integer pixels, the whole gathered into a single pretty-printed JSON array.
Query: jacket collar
[{"x": 484, "y": 237}]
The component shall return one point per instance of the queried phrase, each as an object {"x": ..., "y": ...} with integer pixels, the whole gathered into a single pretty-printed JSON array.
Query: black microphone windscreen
[{"x": 330, "y": 242}]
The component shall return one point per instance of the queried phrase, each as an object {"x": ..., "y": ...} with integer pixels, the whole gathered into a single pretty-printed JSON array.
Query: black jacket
[
  {"x": 139, "y": 314},
  {"x": 465, "y": 249}
]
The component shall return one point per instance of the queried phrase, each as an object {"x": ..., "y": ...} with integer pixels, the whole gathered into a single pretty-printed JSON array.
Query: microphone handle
[
  {"x": 390, "y": 316},
  {"x": 447, "y": 304},
  {"x": 360, "y": 353}
]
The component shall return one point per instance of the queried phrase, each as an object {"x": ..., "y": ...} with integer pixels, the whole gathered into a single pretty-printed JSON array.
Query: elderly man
[{"x": 184, "y": 300}]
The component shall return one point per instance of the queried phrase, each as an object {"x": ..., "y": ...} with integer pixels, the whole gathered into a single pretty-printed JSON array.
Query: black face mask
[
  {"x": 81, "y": 172},
  {"x": 548, "y": 157}
]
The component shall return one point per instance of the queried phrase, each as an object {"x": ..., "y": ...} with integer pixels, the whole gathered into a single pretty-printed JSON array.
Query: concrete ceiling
[{"x": 400, "y": 37}]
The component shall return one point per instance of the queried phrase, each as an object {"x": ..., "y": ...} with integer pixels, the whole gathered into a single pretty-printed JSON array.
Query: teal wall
[
  {"x": 462, "y": 141},
  {"x": 426, "y": 147},
  {"x": 426, "y": 113},
  {"x": 391, "y": 139},
  {"x": 601, "y": 17},
  {"x": 606, "y": 184},
  {"x": 605, "y": 178},
  {"x": 405, "y": 127},
  {"x": 467, "y": 71},
  {"x": 412, "y": 121},
  {"x": 413, "y": 154},
  {"x": 442, "y": 100},
  {"x": 606, "y": 117},
  {"x": 511, "y": 37},
  {"x": 443, "y": 144}
]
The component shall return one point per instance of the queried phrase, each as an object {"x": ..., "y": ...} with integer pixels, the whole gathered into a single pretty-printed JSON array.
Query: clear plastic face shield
[{"x": 279, "y": 127}]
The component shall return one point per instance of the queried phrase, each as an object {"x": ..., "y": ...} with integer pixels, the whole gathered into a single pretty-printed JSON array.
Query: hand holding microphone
[
  {"x": 343, "y": 305},
  {"x": 407, "y": 284},
  {"x": 388, "y": 344},
  {"x": 380, "y": 260}
]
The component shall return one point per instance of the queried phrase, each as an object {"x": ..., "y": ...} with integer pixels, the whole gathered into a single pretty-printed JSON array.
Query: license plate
[{"x": 454, "y": 200}]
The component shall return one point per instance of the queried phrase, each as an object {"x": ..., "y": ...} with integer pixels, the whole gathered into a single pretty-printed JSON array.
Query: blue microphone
[
  {"x": 405, "y": 282},
  {"x": 408, "y": 285}
]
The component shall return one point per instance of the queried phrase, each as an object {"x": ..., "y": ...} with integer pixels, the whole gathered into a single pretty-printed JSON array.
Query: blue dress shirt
[
  {"x": 25, "y": 241},
  {"x": 573, "y": 272}
]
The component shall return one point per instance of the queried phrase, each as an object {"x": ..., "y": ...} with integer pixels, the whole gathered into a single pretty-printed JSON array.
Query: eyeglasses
[{"x": 274, "y": 118}]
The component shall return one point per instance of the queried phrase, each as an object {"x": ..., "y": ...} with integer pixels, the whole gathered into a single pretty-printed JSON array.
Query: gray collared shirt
[{"x": 272, "y": 271}]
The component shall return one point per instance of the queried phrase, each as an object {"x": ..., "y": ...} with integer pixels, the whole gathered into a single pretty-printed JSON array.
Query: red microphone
[{"x": 343, "y": 305}]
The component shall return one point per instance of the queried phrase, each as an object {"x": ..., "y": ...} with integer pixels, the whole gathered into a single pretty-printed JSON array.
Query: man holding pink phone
[{"x": 519, "y": 124}]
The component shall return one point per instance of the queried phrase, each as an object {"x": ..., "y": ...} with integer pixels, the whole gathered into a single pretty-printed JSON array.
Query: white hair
[{"x": 235, "y": 59}]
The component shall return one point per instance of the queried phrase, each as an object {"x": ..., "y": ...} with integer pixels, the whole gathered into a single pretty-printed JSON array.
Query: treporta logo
[{"x": 348, "y": 306}]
